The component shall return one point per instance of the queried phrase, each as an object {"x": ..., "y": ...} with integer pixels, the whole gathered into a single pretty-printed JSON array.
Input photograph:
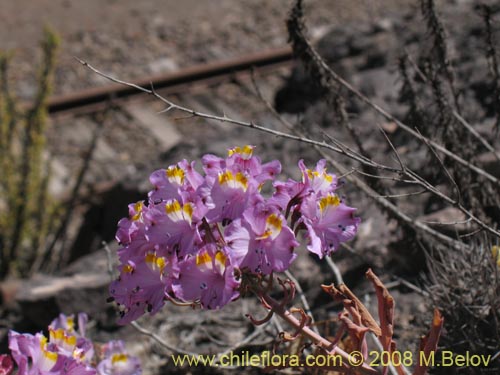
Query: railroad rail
[{"x": 94, "y": 98}]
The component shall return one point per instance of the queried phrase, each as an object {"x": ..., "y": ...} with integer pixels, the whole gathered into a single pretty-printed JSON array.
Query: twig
[
  {"x": 381, "y": 350},
  {"x": 448, "y": 223},
  {"x": 319, "y": 145},
  {"x": 303, "y": 299},
  {"x": 478, "y": 136},
  {"x": 160, "y": 341},
  {"x": 493, "y": 61},
  {"x": 406, "y": 194},
  {"x": 335, "y": 270},
  {"x": 252, "y": 125},
  {"x": 392, "y": 118}
]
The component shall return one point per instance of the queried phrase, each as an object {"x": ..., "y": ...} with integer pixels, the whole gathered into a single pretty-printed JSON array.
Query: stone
[{"x": 161, "y": 129}]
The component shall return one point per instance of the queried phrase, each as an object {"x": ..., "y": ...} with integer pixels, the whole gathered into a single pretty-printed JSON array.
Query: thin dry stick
[
  {"x": 335, "y": 270},
  {"x": 383, "y": 202},
  {"x": 303, "y": 299},
  {"x": 370, "y": 192},
  {"x": 491, "y": 54},
  {"x": 321, "y": 342},
  {"x": 457, "y": 222},
  {"x": 475, "y": 133},
  {"x": 381, "y": 350},
  {"x": 404, "y": 195},
  {"x": 392, "y": 118},
  {"x": 172, "y": 106}
]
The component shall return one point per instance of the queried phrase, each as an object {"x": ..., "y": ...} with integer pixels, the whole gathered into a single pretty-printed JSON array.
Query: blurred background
[{"x": 76, "y": 148}]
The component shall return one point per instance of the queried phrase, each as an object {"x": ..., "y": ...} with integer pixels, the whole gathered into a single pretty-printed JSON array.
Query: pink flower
[
  {"x": 176, "y": 182},
  {"x": 143, "y": 286},
  {"x": 196, "y": 235},
  {"x": 34, "y": 355},
  {"x": 329, "y": 222},
  {"x": 261, "y": 241},
  {"x": 208, "y": 277},
  {"x": 173, "y": 226},
  {"x": 117, "y": 361}
]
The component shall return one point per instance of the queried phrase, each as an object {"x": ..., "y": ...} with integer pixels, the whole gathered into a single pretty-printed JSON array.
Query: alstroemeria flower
[
  {"x": 329, "y": 222},
  {"x": 176, "y": 182},
  {"x": 143, "y": 286},
  {"x": 34, "y": 355},
  {"x": 172, "y": 226},
  {"x": 66, "y": 352},
  {"x": 67, "y": 323},
  {"x": 230, "y": 195},
  {"x": 208, "y": 277},
  {"x": 117, "y": 361},
  {"x": 261, "y": 241},
  {"x": 196, "y": 234},
  {"x": 131, "y": 227},
  {"x": 290, "y": 194}
]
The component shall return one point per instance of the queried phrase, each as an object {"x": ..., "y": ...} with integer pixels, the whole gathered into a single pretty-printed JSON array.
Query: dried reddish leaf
[
  {"x": 385, "y": 313},
  {"x": 385, "y": 310},
  {"x": 429, "y": 342},
  {"x": 356, "y": 332},
  {"x": 344, "y": 293},
  {"x": 400, "y": 370}
]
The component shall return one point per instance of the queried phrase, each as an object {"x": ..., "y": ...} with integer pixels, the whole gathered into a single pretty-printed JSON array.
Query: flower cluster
[
  {"x": 68, "y": 351},
  {"x": 197, "y": 234}
]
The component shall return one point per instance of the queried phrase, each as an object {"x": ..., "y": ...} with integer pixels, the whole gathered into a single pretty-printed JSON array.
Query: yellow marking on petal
[
  {"x": 225, "y": 177},
  {"x": 70, "y": 340},
  {"x": 154, "y": 262},
  {"x": 172, "y": 207},
  {"x": 138, "y": 209},
  {"x": 246, "y": 152},
  {"x": 320, "y": 175},
  {"x": 175, "y": 174},
  {"x": 127, "y": 268},
  {"x": 188, "y": 210},
  {"x": 273, "y": 227},
  {"x": 329, "y": 200},
  {"x": 119, "y": 358},
  {"x": 70, "y": 323},
  {"x": 177, "y": 212},
  {"x": 202, "y": 259},
  {"x": 274, "y": 224},
  {"x": 239, "y": 181},
  {"x": 51, "y": 356},
  {"x": 160, "y": 263},
  {"x": 220, "y": 262},
  {"x": 43, "y": 342},
  {"x": 150, "y": 258},
  {"x": 57, "y": 334},
  {"x": 242, "y": 180}
]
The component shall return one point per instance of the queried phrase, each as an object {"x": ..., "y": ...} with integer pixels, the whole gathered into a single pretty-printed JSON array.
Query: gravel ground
[
  {"x": 131, "y": 38},
  {"x": 128, "y": 40}
]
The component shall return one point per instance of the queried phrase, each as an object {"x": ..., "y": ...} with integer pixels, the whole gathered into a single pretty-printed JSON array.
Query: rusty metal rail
[{"x": 92, "y": 98}]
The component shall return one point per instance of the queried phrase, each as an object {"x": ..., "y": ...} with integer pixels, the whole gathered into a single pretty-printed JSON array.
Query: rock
[
  {"x": 82, "y": 287},
  {"x": 163, "y": 65},
  {"x": 165, "y": 134}
]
